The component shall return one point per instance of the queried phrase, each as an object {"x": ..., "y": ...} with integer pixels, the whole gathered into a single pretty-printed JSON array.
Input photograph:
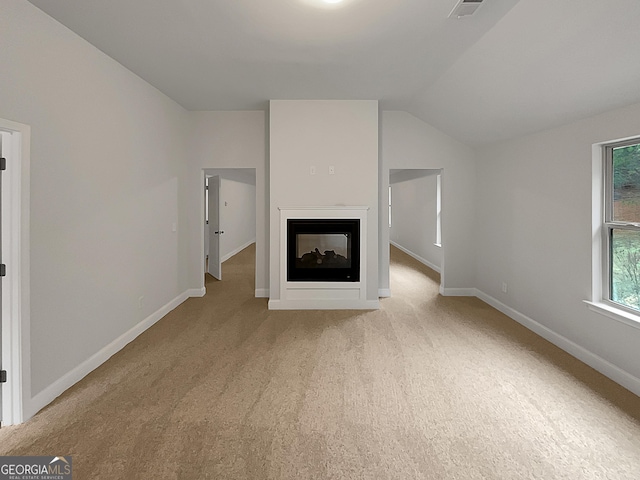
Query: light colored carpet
[{"x": 426, "y": 388}]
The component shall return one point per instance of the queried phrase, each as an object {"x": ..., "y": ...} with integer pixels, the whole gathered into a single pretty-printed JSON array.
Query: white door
[{"x": 215, "y": 266}]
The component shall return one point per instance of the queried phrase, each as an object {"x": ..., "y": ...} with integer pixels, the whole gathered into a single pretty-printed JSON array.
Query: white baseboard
[
  {"x": 196, "y": 292},
  {"x": 236, "y": 251},
  {"x": 384, "y": 292},
  {"x": 422, "y": 260},
  {"x": 262, "y": 293},
  {"x": 603, "y": 366},
  {"x": 46, "y": 396},
  {"x": 457, "y": 292}
]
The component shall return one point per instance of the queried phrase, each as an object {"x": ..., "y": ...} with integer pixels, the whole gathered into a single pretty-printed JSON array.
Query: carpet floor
[{"x": 428, "y": 387}]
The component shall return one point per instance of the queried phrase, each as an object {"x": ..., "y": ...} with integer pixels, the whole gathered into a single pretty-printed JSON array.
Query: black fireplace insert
[{"x": 323, "y": 250}]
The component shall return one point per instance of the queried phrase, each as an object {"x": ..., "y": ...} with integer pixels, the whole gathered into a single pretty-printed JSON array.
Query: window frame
[{"x": 609, "y": 225}]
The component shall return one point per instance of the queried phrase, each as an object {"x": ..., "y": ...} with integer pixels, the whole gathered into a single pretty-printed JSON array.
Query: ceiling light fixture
[{"x": 328, "y": 4}]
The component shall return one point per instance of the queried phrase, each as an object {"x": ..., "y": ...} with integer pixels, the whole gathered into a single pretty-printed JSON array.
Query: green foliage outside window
[
  {"x": 626, "y": 167},
  {"x": 625, "y": 243},
  {"x": 625, "y": 268}
]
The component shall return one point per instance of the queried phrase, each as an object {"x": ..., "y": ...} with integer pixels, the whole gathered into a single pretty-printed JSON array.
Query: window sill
[{"x": 614, "y": 313}]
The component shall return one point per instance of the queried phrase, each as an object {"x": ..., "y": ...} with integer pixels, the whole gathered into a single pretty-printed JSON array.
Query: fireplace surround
[{"x": 335, "y": 239}]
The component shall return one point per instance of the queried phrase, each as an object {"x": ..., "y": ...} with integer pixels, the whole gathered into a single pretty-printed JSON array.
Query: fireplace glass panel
[
  {"x": 337, "y": 243},
  {"x": 323, "y": 250}
]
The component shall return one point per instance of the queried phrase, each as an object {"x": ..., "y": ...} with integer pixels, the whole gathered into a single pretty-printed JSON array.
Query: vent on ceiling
[{"x": 464, "y": 8}]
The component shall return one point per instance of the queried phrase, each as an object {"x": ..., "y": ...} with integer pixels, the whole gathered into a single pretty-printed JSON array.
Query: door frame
[
  {"x": 385, "y": 230},
  {"x": 16, "y": 354},
  {"x": 259, "y": 242}
]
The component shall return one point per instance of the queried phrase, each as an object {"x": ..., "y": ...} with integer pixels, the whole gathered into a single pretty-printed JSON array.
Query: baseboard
[
  {"x": 608, "y": 369},
  {"x": 457, "y": 292},
  {"x": 236, "y": 251},
  {"x": 196, "y": 292},
  {"x": 50, "y": 393},
  {"x": 262, "y": 293},
  {"x": 422, "y": 260},
  {"x": 384, "y": 292}
]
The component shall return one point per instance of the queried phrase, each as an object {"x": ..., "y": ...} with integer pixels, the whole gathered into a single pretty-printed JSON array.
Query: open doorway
[
  {"x": 14, "y": 291},
  {"x": 415, "y": 205},
  {"x": 229, "y": 224}
]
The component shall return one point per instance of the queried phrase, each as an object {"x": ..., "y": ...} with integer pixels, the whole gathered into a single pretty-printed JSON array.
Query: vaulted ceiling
[{"x": 514, "y": 67}]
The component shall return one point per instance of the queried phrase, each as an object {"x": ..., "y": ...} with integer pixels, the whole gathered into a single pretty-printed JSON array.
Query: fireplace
[
  {"x": 322, "y": 260},
  {"x": 323, "y": 250}
]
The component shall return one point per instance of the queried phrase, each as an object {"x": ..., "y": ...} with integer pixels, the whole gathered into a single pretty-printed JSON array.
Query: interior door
[{"x": 215, "y": 266}]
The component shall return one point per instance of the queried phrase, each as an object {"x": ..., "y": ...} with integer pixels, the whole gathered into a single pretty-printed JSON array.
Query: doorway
[
  {"x": 415, "y": 206},
  {"x": 229, "y": 224},
  {"x": 14, "y": 288}
]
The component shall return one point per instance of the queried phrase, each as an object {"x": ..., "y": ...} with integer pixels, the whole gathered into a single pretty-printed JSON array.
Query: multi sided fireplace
[
  {"x": 322, "y": 259},
  {"x": 323, "y": 250}
]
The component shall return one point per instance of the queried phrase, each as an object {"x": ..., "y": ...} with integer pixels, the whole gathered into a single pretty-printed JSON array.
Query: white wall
[
  {"x": 102, "y": 211},
  {"x": 534, "y": 232},
  {"x": 237, "y": 216},
  {"x": 413, "y": 225},
  {"x": 410, "y": 143},
  {"x": 320, "y": 133},
  {"x": 226, "y": 140},
  {"x": 107, "y": 156}
]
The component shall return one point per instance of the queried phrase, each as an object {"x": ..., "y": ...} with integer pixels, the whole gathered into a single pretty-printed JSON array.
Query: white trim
[
  {"x": 341, "y": 209},
  {"x": 457, "y": 292},
  {"x": 422, "y": 260},
  {"x": 201, "y": 221},
  {"x": 323, "y": 295},
  {"x": 50, "y": 393},
  {"x": 603, "y": 366},
  {"x": 196, "y": 292},
  {"x": 324, "y": 304},
  {"x": 614, "y": 313},
  {"x": 598, "y": 267},
  {"x": 262, "y": 293},
  {"x": 237, "y": 250},
  {"x": 16, "y": 326},
  {"x": 438, "y": 242},
  {"x": 384, "y": 292}
]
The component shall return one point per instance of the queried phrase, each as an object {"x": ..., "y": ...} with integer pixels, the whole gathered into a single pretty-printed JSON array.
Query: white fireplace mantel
[{"x": 323, "y": 295}]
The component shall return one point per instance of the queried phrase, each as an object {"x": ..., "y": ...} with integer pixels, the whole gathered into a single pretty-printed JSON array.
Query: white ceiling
[{"x": 515, "y": 67}]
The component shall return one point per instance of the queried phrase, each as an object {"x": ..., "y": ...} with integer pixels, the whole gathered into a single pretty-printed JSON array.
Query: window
[{"x": 621, "y": 226}]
